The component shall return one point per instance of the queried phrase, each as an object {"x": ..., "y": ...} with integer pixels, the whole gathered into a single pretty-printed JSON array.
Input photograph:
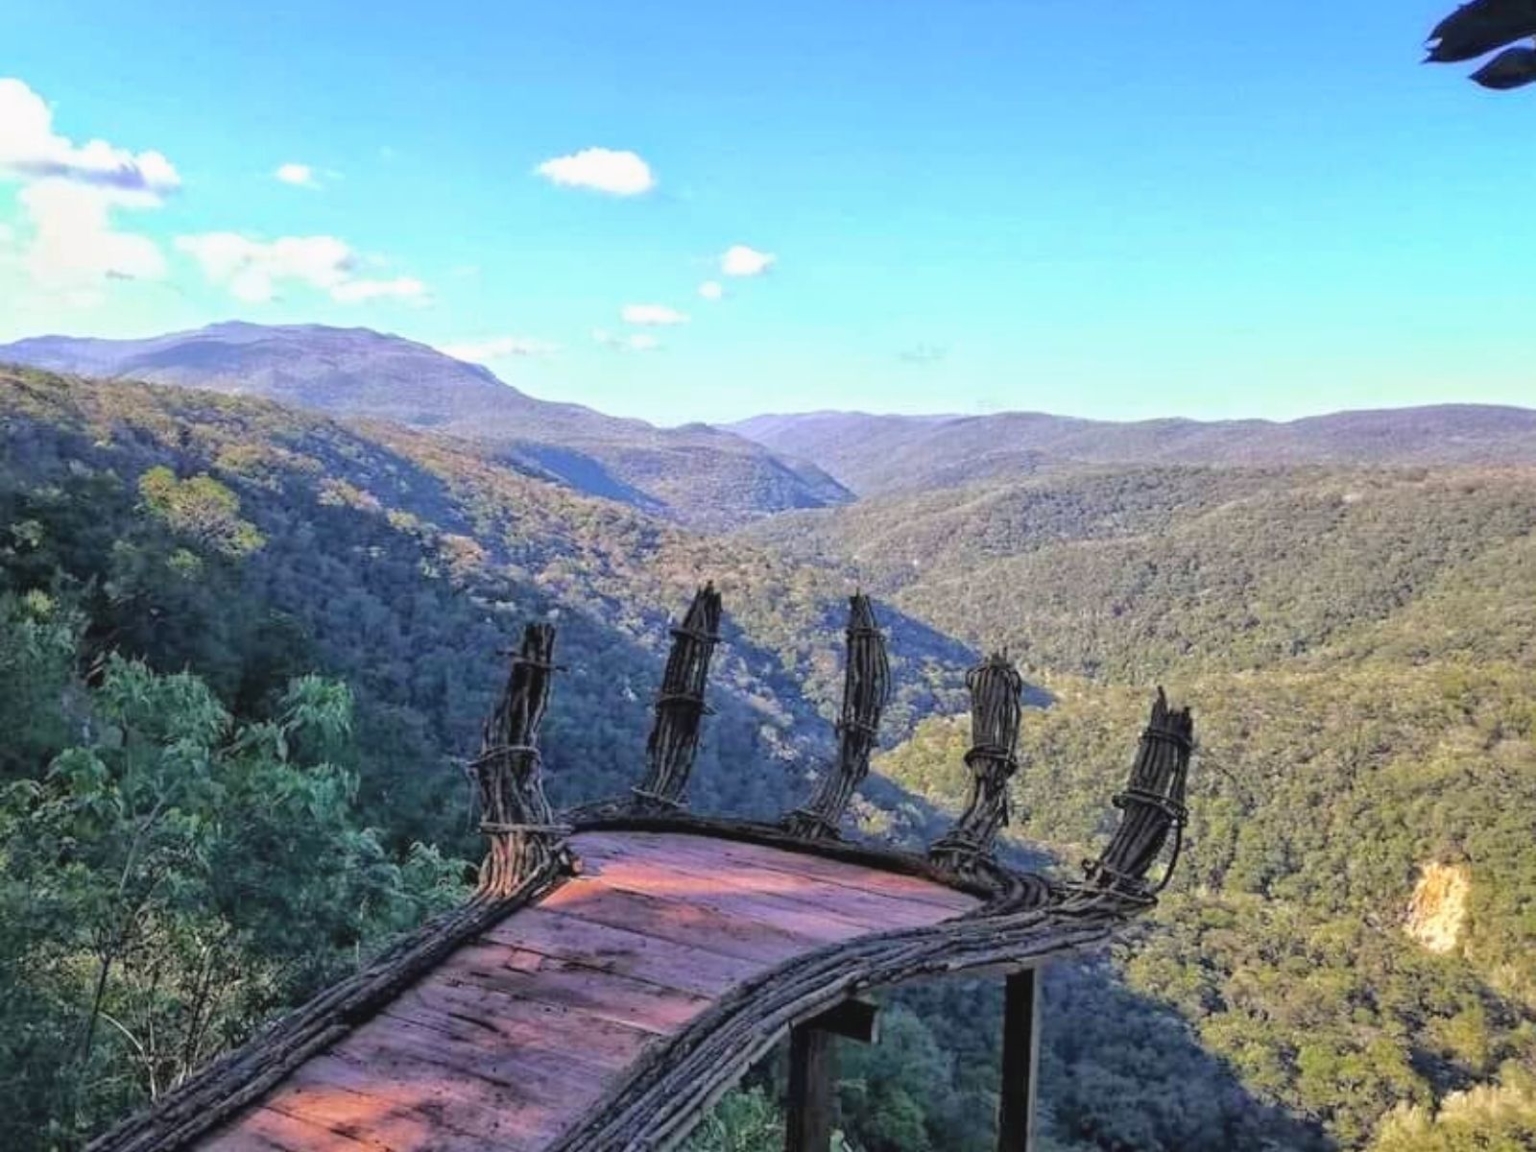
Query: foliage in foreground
[
  {"x": 1360, "y": 649},
  {"x": 169, "y": 875}
]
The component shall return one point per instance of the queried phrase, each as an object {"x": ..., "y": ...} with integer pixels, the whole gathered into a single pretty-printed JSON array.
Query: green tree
[{"x": 172, "y": 879}]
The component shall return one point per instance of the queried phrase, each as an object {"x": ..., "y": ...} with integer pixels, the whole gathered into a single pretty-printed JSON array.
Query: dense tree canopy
[{"x": 241, "y": 649}]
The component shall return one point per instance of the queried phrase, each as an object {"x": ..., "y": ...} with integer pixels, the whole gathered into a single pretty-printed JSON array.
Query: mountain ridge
[
  {"x": 874, "y": 454},
  {"x": 698, "y": 475}
]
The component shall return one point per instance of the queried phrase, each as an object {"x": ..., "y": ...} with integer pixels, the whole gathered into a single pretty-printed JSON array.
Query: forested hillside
[
  {"x": 241, "y": 648},
  {"x": 698, "y": 475},
  {"x": 175, "y": 570},
  {"x": 879, "y": 454},
  {"x": 1360, "y": 650}
]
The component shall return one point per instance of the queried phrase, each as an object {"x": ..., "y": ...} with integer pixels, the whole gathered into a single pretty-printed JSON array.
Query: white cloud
[
  {"x": 7, "y": 234},
  {"x": 73, "y": 247},
  {"x": 739, "y": 260},
  {"x": 711, "y": 290},
  {"x": 601, "y": 169},
  {"x": 253, "y": 269},
  {"x": 31, "y": 150},
  {"x": 626, "y": 342},
  {"x": 651, "y": 314},
  {"x": 300, "y": 175},
  {"x": 498, "y": 348},
  {"x": 67, "y": 245}
]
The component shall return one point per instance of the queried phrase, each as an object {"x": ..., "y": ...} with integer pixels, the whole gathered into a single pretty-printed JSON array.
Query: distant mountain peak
[{"x": 701, "y": 475}]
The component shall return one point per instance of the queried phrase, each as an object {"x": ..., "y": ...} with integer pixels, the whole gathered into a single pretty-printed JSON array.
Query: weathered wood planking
[{"x": 517, "y": 1035}]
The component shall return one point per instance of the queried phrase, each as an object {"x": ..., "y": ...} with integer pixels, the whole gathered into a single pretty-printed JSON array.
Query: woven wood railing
[
  {"x": 680, "y": 708},
  {"x": 514, "y": 814},
  {"x": 866, "y": 691},
  {"x": 996, "y": 690},
  {"x": 1152, "y": 805}
]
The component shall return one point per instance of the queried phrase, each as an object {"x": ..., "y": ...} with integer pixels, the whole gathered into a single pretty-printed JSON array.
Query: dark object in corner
[
  {"x": 1481, "y": 27},
  {"x": 1478, "y": 28},
  {"x": 1511, "y": 68}
]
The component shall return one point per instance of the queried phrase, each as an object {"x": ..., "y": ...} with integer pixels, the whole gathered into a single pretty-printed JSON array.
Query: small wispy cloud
[
  {"x": 711, "y": 290},
  {"x": 740, "y": 260},
  {"x": 651, "y": 315},
  {"x": 498, "y": 348},
  {"x": 923, "y": 354},
  {"x": 299, "y": 175},
  {"x": 626, "y": 342},
  {"x": 398, "y": 288},
  {"x": 618, "y": 173},
  {"x": 251, "y": 269}
]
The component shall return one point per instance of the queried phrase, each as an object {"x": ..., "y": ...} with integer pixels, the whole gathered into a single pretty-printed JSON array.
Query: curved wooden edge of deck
[
  {"x": 629, "y": 993},
  {"x": 667, "y": 1092}
]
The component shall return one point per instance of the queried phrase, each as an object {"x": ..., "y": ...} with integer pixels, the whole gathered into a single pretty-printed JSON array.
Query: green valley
[{"x": 244, "y": 648}]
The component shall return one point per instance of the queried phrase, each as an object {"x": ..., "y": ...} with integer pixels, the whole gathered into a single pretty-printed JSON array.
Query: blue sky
[{"x": 1114, "y": 209}]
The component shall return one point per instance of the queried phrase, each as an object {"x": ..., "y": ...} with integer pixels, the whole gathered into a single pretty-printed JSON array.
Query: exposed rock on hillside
[{"x": 1438, "y": 909}]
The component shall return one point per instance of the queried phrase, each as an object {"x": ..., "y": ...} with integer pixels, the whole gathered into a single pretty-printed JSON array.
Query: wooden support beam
[
  {"x": 852, "y": 1019},
  {"x": 1021, "y": 1062},
  {"x": 813, "y": 1071}
]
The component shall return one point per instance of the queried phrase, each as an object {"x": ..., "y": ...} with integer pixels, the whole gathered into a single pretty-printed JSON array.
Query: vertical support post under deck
[
  {"x": 1021, "y": 1062},
  {"x": 811, "y": 1072}
]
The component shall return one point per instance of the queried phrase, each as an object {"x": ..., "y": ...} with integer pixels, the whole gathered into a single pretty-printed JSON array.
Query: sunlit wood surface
[{"x": 520, "y": 1032}]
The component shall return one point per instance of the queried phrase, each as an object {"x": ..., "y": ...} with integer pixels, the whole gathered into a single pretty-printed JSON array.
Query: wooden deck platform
[{"x": 522, "y": 1031}]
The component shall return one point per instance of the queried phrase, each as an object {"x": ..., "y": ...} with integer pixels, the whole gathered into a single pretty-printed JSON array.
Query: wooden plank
[
  {"x": 756, "y": 856},
  {"x": 800, "y": 904},
  {"x": 808, "y": 1125},
  {"x": 237, "y": 1137},
  {"x": 864, "y": 905},
  {"x": 519, "y": 1017},
  {"x": 1021, "y": 1060},
  {"x": 487, "y": 1017},
  {"x": 450, "y": 1102},
  {"x": 571, "y": 984},
  {"x": 698, "y": 929},
  {"x": 527, "y": 1075},
  {"x": 634, "y": 954},
  {"x": 292, "y": 1134}
]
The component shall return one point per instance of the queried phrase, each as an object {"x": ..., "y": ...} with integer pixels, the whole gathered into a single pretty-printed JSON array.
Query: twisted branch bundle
[
  {"x": 996, "y": 688},
  {"x": 515, "y": 814},
  {"x": 1153, "y": 804},
  {"x": 866, "y": 691},
  {"x": 674, "y": 739}
]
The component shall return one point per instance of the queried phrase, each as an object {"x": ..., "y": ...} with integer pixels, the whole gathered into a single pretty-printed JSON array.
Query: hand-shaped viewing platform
[{"x": 622, "y": 965}]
